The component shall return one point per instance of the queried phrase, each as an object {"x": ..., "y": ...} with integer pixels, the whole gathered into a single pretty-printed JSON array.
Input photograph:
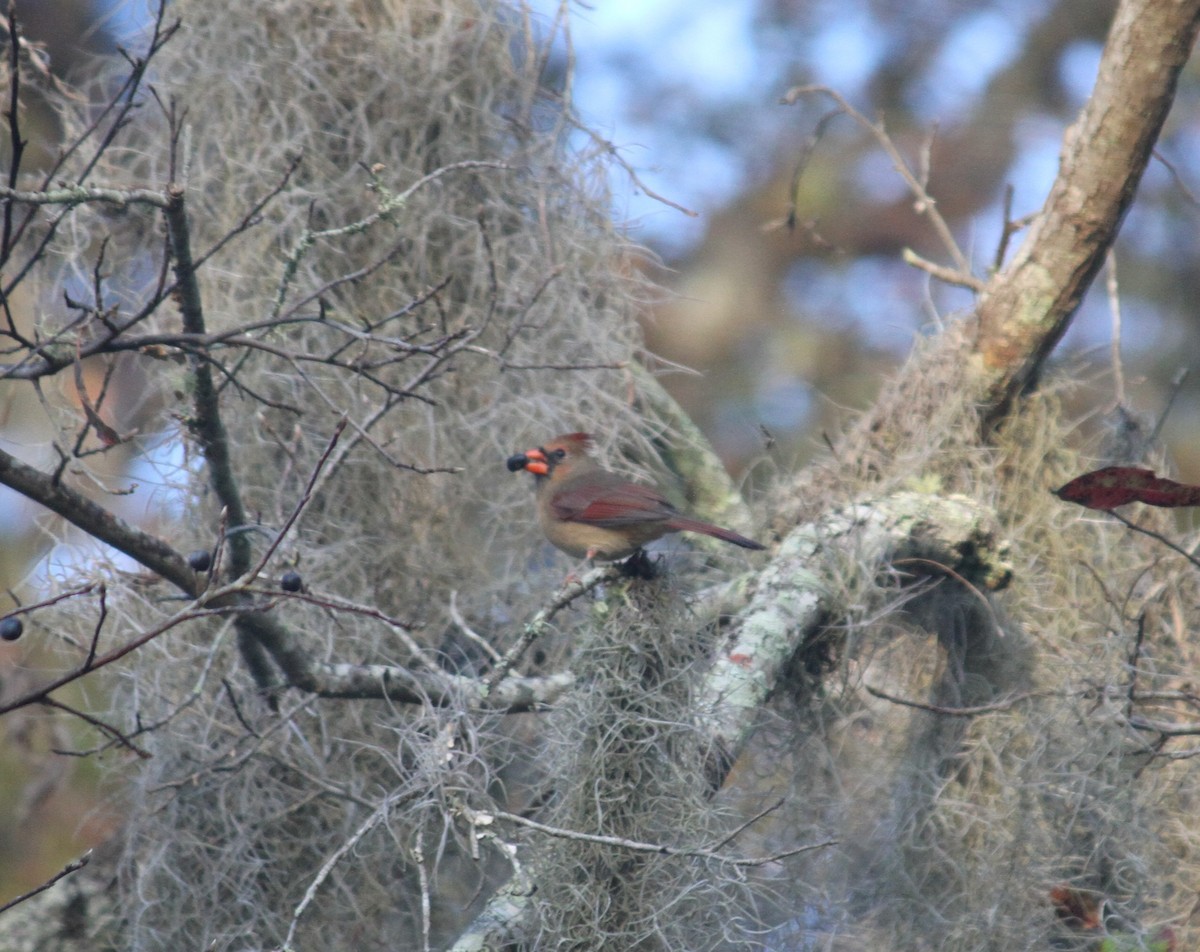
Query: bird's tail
[{"x": 683, "y": 524}]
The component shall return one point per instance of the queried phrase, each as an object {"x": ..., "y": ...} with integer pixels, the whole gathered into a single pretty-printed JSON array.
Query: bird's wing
[{"x": 610, "y": 504}]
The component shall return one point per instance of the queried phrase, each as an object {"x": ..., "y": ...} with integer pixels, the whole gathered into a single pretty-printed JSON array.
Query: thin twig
[
  {"x": 101, "y": 616},
  {"x": 1176, "y": 386},
  {"x": 742, "y": 827},
  {"x": 304, "y": 500},
  {"x": 925, "y": 203},
  {"x": 537, "y": 625},
  {"x": 942, "y": 273},
  {"x": 389, "y": 203},
  {"x": 963, "y": 581},
  {"x": 402, "y": 628},
  {"x": 1176, "y": 177},
  {"x": 1135, "y": 656},
  {"x": 611, "y": 150},
  {"x": 39, "y": 695},
  {"x": 327, "y": 867},
  {"x": 71, "y": 867},
  {"x": 1008, "y": 228},
  {"x": 468, "y": 632},
  {"x": 807, "y": 148},
  {"x": 1002, "y": 705},
  {"x": 254, "y": 215},
  {"x": 1156, "y": 536},
  {"x": 1162, "y": 727},
  {"x": 52, "y": 600},
  {"x": 114, "y": 734},
  {"x": 640, "y": 846}
]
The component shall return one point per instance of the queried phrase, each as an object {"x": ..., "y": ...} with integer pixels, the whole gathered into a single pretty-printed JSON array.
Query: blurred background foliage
[
  {"x": 778, "y": 332},
  {"x": 788, "y": 328}
]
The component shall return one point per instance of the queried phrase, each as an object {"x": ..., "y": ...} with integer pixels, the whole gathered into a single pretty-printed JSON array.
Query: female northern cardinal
[{"x": 587, "y": 511}]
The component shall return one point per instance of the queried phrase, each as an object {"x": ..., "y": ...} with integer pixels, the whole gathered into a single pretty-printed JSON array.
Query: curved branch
[{"x": 792, "y": 601}]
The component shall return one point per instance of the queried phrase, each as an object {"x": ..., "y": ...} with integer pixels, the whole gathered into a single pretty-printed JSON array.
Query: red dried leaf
[
  {"x": 1079, "y": 909},
  {"x": 1117, "y": 485}
]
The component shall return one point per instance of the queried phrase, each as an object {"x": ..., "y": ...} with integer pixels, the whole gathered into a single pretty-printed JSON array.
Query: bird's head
[{"x": 555, "y": 458}]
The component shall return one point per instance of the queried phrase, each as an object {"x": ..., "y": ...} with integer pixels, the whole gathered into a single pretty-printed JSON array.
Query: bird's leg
[{"x": 576, "y": 575}]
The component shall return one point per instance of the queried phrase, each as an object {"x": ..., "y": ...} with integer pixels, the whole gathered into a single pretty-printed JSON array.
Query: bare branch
[
  {"x": 388, "y": 204},
  {"x": 13, "y": 115},
  {"x": 71, "y": 867},
  {"x": 98, "y": 522},
  {"x": 71, "y": 195},
  {"x": 925, "y": 204},
  {"x": 1004, "y": 704},
  {"x": 340, "y": 853},
  {"x": 513, "y": 695},
  {"x": 1028, "y": 306},
  {"x": 206, "y": 423},
  {"x": 537, "y": 625},
  {"x": 942, "y": 273},
  {"x": 638, "y": 846},
  {"x": 194, "y": 611}
]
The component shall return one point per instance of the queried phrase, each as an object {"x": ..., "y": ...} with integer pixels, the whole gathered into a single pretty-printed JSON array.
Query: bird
[{"x": 587, "y": 511}]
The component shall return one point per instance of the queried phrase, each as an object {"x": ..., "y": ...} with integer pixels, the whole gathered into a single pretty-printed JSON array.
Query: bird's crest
[{"x": 581, "y": 440}]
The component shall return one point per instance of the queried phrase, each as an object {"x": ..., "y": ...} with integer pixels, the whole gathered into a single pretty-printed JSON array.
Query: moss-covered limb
[
  {"x": 711, "y": 493},
  {"x": 513, "y": 695},
  {"x": 793, "y": 598},
  {"x": 501, "y": 917},
  {"x": 795, "y": 595}
]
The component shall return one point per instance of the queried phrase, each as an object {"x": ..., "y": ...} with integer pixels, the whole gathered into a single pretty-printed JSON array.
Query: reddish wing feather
[{"x": 611, "y": 504}]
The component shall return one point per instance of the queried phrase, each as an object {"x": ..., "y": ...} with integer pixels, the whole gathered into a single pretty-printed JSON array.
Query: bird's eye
[{"x": 559, "y": 454}]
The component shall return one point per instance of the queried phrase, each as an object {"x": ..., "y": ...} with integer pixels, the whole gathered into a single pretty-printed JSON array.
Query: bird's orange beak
[{"x": 533, "y": 461}]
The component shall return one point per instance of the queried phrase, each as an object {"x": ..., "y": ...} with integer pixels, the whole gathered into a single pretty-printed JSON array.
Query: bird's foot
[{"x": 640, "y": 565}]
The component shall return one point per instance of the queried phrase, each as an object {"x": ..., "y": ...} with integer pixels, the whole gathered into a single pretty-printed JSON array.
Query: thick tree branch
[
  {"x": 99, "y": 523},
  {"x": 206, "y": 422},
  {"x": 793, "y": 600},
  {"x": 1027, "y": 307}
]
